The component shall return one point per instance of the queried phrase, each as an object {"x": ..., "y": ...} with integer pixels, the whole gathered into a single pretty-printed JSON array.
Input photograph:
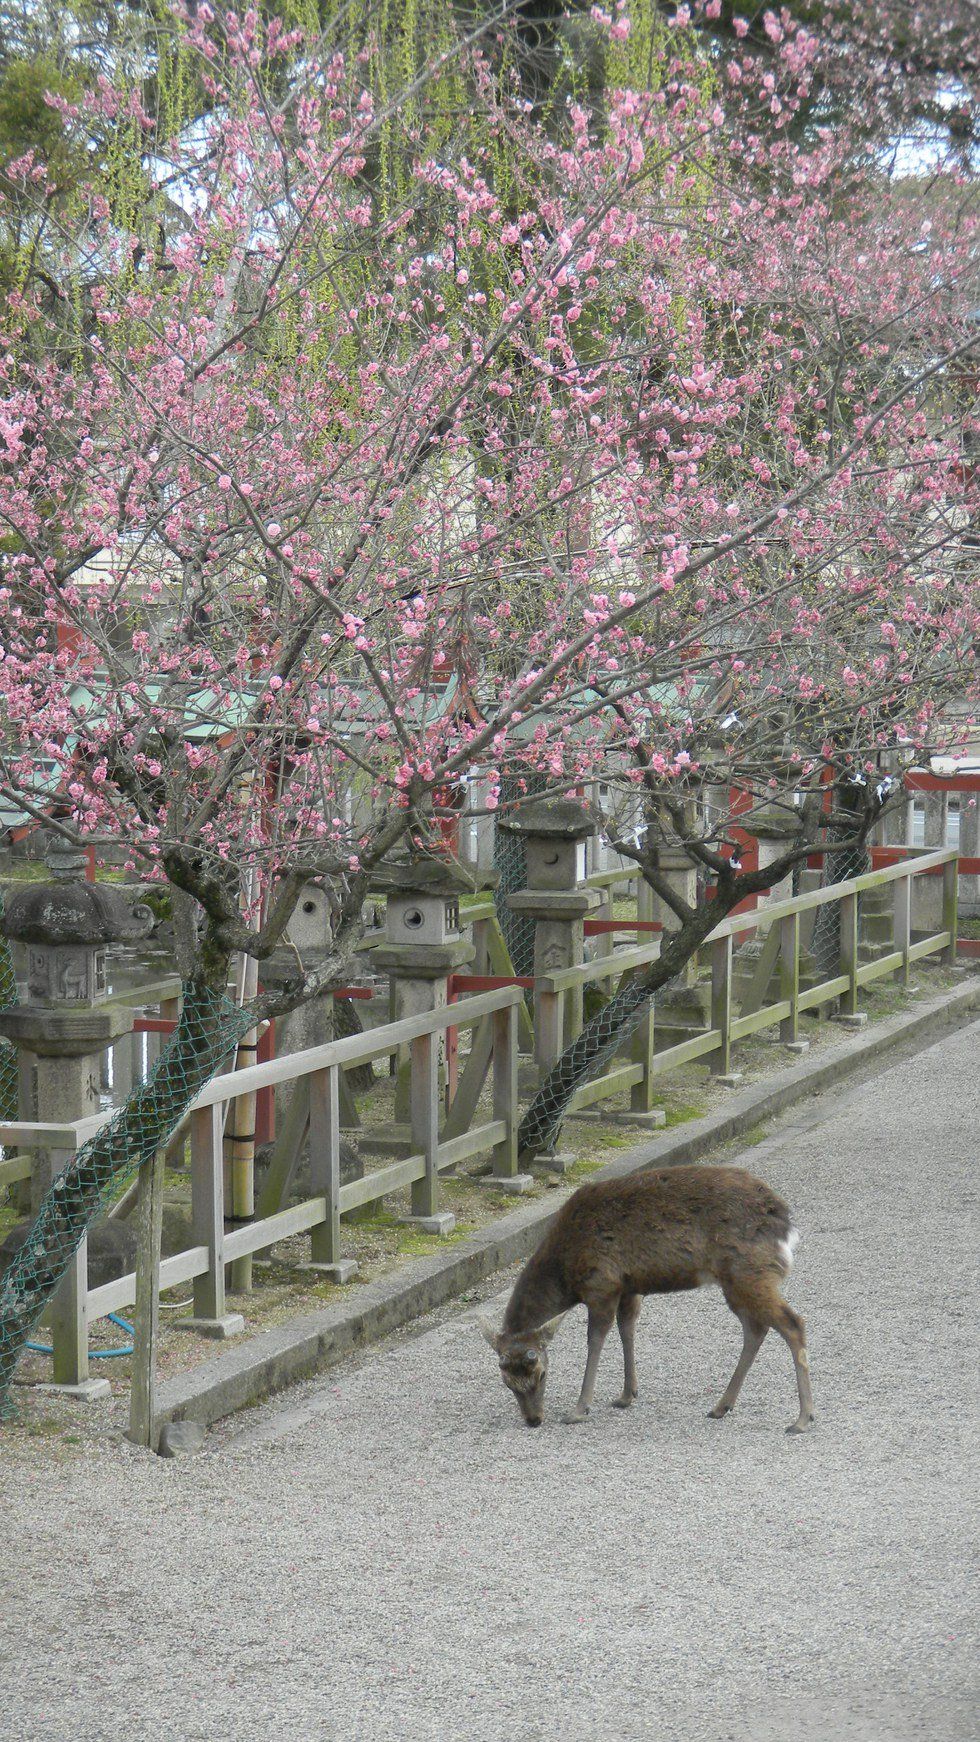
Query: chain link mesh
[
  {"x": 510, "y": 860},
  {"x": 8, "y": 1054},
  {"x": 840, "y": 864},
  {"x": 597, "y": 1045},
  {"x": 209, "y": 1028}
]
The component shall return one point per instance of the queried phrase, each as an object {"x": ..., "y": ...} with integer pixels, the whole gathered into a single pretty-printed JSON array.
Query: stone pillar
[
  {"x": 970, "y": 849},
  {"x": 935, "y": 820},
  {"x": 680, "y": 1009},
  {"x": 554, "y": 833},
  {"x": 677, "y": 870},
  {"x": 773, "y": 829},
  {"x": 309, "y": 932},
  {"x": 755, "y": 964},
  {"x": 62, "y": 1028},
  {"x": 927, "y": 892},
  {"x": 896, "y": 824},
  {"x": 423, "y": 945}
]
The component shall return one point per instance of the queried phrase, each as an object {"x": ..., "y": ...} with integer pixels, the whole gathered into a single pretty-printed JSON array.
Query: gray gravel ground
[{"x": 388, "y": 1554}]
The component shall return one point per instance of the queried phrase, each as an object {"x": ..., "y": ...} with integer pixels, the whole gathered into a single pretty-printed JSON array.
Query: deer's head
[{"x": 523, "y": 1357}]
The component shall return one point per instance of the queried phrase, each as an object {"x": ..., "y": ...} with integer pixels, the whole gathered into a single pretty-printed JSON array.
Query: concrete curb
[{"x": 248, "y": 1372}]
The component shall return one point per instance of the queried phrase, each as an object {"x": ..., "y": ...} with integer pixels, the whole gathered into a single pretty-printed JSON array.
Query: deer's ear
[
  {"x": 547, "y": 1330},
  {"x": 489, "y": 1335}
]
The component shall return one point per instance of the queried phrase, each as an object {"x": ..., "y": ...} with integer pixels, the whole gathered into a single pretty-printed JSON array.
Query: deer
[{"x": 656, "y": 1232}]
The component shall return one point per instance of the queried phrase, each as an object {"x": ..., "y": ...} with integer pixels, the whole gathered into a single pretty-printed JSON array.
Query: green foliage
[{"x": 28, "y": 122}]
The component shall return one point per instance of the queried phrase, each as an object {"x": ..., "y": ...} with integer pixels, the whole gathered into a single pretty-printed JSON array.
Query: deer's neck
[{"x": 540, "y": 1293}]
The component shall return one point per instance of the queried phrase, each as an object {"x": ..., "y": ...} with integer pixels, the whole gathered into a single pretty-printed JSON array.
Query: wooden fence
[
  {"x": 781, "y": 921},
  {"x": 203, "y": 1263},
  {"x": 441, "y": 1138}
]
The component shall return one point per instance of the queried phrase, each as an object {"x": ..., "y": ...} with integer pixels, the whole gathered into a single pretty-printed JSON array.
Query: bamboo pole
[
  {"x": 239, "y": 1136},
  {"x": 146, "y": 1314}
]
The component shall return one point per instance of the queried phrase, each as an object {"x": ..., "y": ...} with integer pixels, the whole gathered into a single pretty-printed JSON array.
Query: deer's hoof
[
  {"x": 624, "y": 1402},
  {"x": 719, "y": 1412},
  {"x": 574, "y": 1416},
  {"x": 801, "y": 1426}
]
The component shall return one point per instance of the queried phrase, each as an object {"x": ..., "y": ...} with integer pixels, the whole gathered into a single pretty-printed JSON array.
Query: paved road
[{"x": 389, "y": 1556}]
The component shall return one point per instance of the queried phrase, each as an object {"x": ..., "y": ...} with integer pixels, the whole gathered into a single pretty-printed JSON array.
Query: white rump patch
[{"x": 788, "y": 1247}]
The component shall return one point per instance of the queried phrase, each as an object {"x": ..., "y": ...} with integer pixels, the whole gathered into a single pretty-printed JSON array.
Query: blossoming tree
[{"x": 643, "y": 420}]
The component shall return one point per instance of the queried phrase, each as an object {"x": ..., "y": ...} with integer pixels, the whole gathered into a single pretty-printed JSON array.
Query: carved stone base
[
  {"x": 554, "y": 1161},
  {"x": 230, "y": 1325},
  {"x": 443, "y": 1223},
  {"x": 343, "y": 1271},
  {"x": 86, "y": 1391}
]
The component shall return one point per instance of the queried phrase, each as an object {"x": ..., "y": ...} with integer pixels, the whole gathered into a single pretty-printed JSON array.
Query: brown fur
[{"x": 653, "y": 1233}]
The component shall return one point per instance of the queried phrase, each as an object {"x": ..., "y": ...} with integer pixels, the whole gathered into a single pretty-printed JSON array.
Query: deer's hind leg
[
  {"x": 757, "y": 1302},
  {"x": 753, "y": 1337},
  {"x": 626, "y": 1316},
  {"x": 793, "y": 1332}
]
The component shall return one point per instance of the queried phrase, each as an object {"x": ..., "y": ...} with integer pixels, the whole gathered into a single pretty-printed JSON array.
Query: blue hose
[{"x": 95, "y": 1354}]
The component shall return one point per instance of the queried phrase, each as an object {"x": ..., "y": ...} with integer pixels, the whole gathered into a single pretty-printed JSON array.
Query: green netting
[
  {"x": 598, "y": 1043},
  {"x": 210, "y": 1026},
  {"x": 609, "y": 1029},
  {"x": 8, "y": 1055},
  {"x": 510, "y": 860},
  {"x": 848, "y": 860}
]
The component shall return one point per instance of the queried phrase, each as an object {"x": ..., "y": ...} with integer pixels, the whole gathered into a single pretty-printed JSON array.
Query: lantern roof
[{"x": 69, "y": 910}]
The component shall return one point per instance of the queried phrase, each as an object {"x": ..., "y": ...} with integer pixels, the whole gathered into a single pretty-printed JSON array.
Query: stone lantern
[
  {"x": 423, "y": 940},
  {"x": 424, "y": 917},
  {"x": 423, "y": 944},
  {"x": 311, "y": 924},
  {"x": 65, "y": 926},
  {"x": 554, "y": 831},
  {"x": 63, "y": 1026}
]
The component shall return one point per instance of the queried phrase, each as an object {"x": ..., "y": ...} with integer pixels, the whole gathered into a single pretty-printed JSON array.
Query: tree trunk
[
  {"x": 602, "y": 1038},
  {"x": 209, "y": 1028}
]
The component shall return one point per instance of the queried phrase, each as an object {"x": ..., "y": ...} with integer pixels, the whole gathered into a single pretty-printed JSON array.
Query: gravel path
[{"x": 390, "y": 1556}]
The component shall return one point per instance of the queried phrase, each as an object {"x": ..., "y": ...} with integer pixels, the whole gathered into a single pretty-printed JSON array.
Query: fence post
[
  {"x": 324, "y": 1087},
  {"x": 505, "y": 1089},
  {"x": 951, "y": 872},
  {"x": 849, "y": 953},
  {"x": 935, "y": 821},
  {"x": 123, "y": 1073},
  {"x": 789, "y": 976},
  {"x": 207, "y": 1212},
  {"x": 146, "y": 1313},
  {"x": 67, "y": 1315},
  {"x": 547, "y": 1028},
  {"x": 605, "y": 942},
  {"x": 177, "y": 1147},
  {"x": 481, "y": 958},
  {"x": 641, "y": 1053},
  {"x": 424, "y": 1082},
  {"x": 324, "y": 1105},
  {"x": 903, "y": 922},
  {"x": 721, "y": 1004}
]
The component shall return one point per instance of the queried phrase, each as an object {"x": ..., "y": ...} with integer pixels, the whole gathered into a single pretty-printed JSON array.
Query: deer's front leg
[{"x": 600, "y": 1322}]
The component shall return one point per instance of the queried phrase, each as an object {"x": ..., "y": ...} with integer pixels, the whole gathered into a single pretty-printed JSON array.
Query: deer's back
[{"x": 663, "y": 1231}]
